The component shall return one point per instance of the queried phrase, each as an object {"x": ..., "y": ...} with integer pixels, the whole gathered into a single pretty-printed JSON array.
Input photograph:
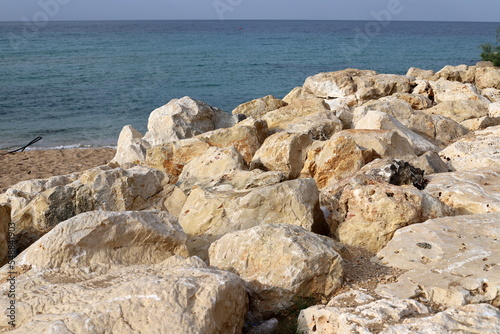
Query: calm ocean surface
[{"x": 79, "y": 83}]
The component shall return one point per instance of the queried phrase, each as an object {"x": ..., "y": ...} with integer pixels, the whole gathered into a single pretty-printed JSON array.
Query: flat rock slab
[
  {"x": 451, "y": 261},
  {"x": 469, "y": 192}
]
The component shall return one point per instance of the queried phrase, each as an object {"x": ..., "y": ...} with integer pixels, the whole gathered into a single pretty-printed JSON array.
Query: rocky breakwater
[{"x": 370, "y": 201}]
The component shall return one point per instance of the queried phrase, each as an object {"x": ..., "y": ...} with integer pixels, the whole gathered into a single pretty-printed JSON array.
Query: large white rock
[
  {"x": 453, "y": 73},
  {"x": 477, "y": 151},
  {"x": 380, "y": 85},
  {"x": 400, "y": 109},
  {"x": 183, "y": 118},
  {"x": 358, "y": 312},
  {"x": 101, "y": 239},
  {"x": 378, "y": 120},
  {"x": 279, "y": 263},
  {"x": 460, "y": 111},
  {"x": 175, "y": 296},
  {"x": 445, "y": 90},
  {"x": 208, "y": 215},
  {"x": 469, "y": 192},
  {"x": 284, "y": 152},
  {"x": 335, "y": 84},
  {"x": 487, "y": 77},
  {"x": 131, "y": 147},
  {"x": 494, "y": 109},
  {"x": 259, "y": 107},
  {"x": 419, "y": 73},
  {"x": 450, "y": 261}
]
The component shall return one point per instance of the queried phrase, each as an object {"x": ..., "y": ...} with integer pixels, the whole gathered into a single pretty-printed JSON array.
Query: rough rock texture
[
  {"x": 488, "y": 77},
  {"x": 183, "y": 118},
  {"x": 430, "y": 163},
  {"x": 460, "y": 111},
  {"x": 175, "y": 296},
  {"x": 332, "y": 160},
  {"x": 480, "y": 123},
  {"x": 298, "y": 93},
  {"x": 258, "y": 107},
  {"x": 494, "y": 109},
  {"x": 208, "y": 215},
  {"x": 445, "y": 90},
  {"x": 450, "y": 261},
  {"x": 424, "y": 88},
  {"x": 284, "y": 152},
  {"x": 102, "y": 188},
  {"x": 469, "y": 192},
  {"x": 418, "y": 73},
  {"x": 378, "y": 120},
  {"x": 416, "y": 101},
  {"x": 384, "y": 143},
  {"x": 400, "y": 109},
  {"x": 437, "y": 129},
  {"x": 4, "y": 232},
  {"x": 380, "y": 85},
  {"x": 482, "y": 149},
  {"x": 491, "y": 94},
  {"x": 453, "y": 73},
  {"x": 210, "y": 166},
  {"x": 370, "y": 214},
  {"x": 335, "y": 84},
  {"x": 394, "y": 171},
  {"x": 131, "y": 147},
  {"x": 357, "y": 312},
  {"x": 307, "y": 264},
  {"x": 100, "y": 239}
]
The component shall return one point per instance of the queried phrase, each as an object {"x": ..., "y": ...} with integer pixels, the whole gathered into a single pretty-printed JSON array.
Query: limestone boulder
[
  {"x": 131, "y": 147},
  {"x": 480, "y": 123},
  {"x": 335, "y": 84},
  {"x": 29, "y": 187},
  {"x": 370, "y": 214},
  {"x": 175, "y": 296},
  {"x": 4, "y": 233},
  {"x": 430, "y": 163},
  {"x": 184, "y": 118},
  {"x": 258, "y": 107},
  {"x": 460, "y": 111},
  {"x": 384, "y": 143},
  {"x": 416, "y": 101},
  {"x": 171, "y": 157},
  {"x": 358, "y": 312},
  {"x": 449, "y": 261},
  {"x": 453, "y": 73},
  {"x": 398, "y": 108},
  {"x": 419, "y": 73},
  {"x": 494, "y": 110},
  {"x": 487, "y": 77},
  {"x": 469, "y": 192},
  {"x": 332, "y": 160},
  {"x": 208, "y": 215},
  {"x": 104, "y": 188},
  {"x": 423, "y": 87},
  {"x": 437, "y": 129},
  {"x": 309, "y": 267},
  {"x": 445, "y": 90},
  {"x": 246, "y": 137},
  {"x": 378, "y": 120},
  {"x": 380, "y": 85},
  {"x": 298, "y": 93},
  {"x": 482, "y": 149},
  {"x": 101, "y": 239},
  {"x": 284, "y": 152},
  {"x": 210, "y": 167},
  {"x": 318, "y": 126},
  {"x": 491, "y": 94},
  {"x": 174, "y": 200}
]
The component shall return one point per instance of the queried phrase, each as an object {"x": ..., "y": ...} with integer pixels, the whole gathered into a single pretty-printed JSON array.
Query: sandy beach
[{"x": 39, "y": 164}]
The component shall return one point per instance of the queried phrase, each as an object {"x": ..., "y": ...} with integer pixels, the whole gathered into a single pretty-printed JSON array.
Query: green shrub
[{"x": 492, "y": 52}]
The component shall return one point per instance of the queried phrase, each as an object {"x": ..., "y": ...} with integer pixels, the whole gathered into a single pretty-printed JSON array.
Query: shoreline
[{"x": 39, "y": 163}]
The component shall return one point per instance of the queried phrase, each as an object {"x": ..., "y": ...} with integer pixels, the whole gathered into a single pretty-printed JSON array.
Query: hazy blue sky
[{"x": 427, "y": 10}]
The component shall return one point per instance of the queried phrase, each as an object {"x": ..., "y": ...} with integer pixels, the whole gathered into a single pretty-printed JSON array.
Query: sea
[{"x": 76, "y": 84}]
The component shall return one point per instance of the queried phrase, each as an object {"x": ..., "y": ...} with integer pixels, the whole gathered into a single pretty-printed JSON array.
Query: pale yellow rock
[
  {"x": 208, "y": 215},
  {"x": 487, "y": 77},
  {"x": 377, "y": 120},
  {"x": 430, "y": 163},
  {"x": 418, "y": 73},
  {"x": 210, "y": 167},
  {"x": 284, "y": 152},
  {"x": 335, "y": 84},
  {"x": 171, "y": 297},
  {"x": 298, "y": 93},
  {"x": 397, "y": 108},
  {"x": 469, "y": 192},
  {"x": 494, "y": 110},
  {"x": 380, "y": 85},
  {"x": 453, "y": 73},
  {"x": 372, "y": 213},
  {"x": 173, "y": 156},
  {"x": 130, "y": 147},
  {"x": 102, "y": 239},
  {"x": 307, "y": 265},
  {"x": 482, "y": 149},
  {"x": 174, "y": 201},
  {"x": 4, "y": 233},
  {"x": 445, "y": 90},
  {"x": 259, "y": 107},
  {"x": 437, "y": 129},
  {"x": 362, "y": 314},
  {"x": 332, "y": 160},
  {"x": 460, "y": 111},
  {"x": 423, "y": 87},
  {"x": 449, "y": 261},
  {"x": 480, "y": 123},
  {"x": 491, "y": 94},
  {"x": 416, "y": 101}
]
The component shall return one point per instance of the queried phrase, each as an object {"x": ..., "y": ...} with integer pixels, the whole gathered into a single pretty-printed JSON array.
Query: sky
[{"x": 401, "y": 10}]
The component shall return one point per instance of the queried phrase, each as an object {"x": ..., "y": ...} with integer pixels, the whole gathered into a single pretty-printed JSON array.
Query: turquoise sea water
[{"x": 79, "y": 83}]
